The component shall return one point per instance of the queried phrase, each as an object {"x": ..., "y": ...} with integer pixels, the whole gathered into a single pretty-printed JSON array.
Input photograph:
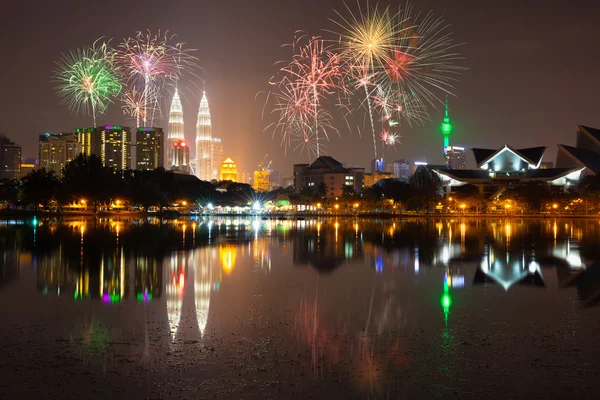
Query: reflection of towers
[
  {"x": 204, "y": 142},
  {"x": 148, "y": 279},
  {"x": 227, "y": 255},
  {"x": 203, "y": 278},
  {"x": 175, "y": 278},
  {"x": 113, "y": 284}
]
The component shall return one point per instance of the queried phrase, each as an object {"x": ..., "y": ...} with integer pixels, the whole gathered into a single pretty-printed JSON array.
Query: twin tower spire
[{"x": 205, "y": 161}]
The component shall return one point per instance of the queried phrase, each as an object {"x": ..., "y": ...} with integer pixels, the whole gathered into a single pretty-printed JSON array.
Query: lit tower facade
[
  {"x": 204, "y": 142},
  {"x": 446, "y": 128},
  {"x": 176, "y": 130}
]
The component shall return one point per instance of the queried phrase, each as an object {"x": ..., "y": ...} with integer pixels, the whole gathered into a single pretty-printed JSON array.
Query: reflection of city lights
[
  {"x": 379, "y": 264},
  {"x": 256, "y": 206},
  {"x": 227, "y": 254}
]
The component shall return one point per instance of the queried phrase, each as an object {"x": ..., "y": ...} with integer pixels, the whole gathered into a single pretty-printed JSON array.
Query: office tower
[
  {"x": 217, "y": 157},
  {"x": 176, "y": 130},
  {"x": 10, "y": 159},
  {"x": 114, "y": 142},
  {"x": 400, "y": 169},
  {"x": 149, "y": 148},
  {"x": 204, "y": 142},
  {"x": 455, "y": 157},
  {"x": 377, "y": 165},
  {"x": 181, "y": 157},
  {"x": 56, "y": 150}
]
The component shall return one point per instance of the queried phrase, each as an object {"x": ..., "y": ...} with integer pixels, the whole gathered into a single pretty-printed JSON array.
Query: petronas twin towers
[{"x": 208, "y": 149}]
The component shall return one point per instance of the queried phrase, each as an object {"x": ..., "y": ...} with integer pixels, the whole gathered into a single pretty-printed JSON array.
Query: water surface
[{"x": 334, "y": 308}]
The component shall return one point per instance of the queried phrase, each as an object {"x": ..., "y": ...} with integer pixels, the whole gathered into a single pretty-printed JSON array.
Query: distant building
[
  {"x": 585, "y": 154},
  {"x": 262, "y": 179},
  {"x": 228, "y": 171},
  {"x": 10, "y": 159},
  {"x": 455, "y": 157},
  {"x": 115, "y": 146},
  {"x": 399, "y": 168},
  {"x": 112, "y": 143},
  {"x": 507, "y": 167},
  {"x": 416, "y": 166},
  {"x": 26, "y": 168},
  {"x": 287, "y": 181},
  {"x": 378, "y": 165},
  {"x": 218, "y": 156},
  {"x": 329, "y": 172},
  {"x": 180, "y": 157},
  {"x": 56, "y": 150},
  {"x": 372, "y": 179},
  {"x": 275, "y": 180},
  {"x": 176, "y": 132},
  {"x": 204, "y": 142},
  {"x": 149, "y": 148}
]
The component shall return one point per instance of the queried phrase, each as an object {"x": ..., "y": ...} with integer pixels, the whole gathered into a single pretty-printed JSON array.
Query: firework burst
[
  {"x": 88, "y": 80},
  {"x": 302, "y": 86},
  {"x": 148, "y": 61}
]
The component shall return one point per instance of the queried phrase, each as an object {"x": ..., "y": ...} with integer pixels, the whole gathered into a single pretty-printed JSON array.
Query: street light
[
  {"x": 463, "y": 206},
  {"x": 184, "y": 203}
]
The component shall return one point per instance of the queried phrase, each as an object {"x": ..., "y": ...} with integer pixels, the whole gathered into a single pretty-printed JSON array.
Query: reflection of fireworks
[
  {"x": 87, "y": 80},
  {"x": 148, "y": 61}
]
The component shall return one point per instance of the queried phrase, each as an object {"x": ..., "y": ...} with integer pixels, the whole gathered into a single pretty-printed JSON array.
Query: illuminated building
[
  {"x": 204, "y": 142},
  {"x": 399, "y": 168},
  {"x": 585, "y": 154},
  {"x": 446, "y": 128},
  {"x": 378, "y": 165},
  {"x": 56, "y": 150},
  {"x": 115, "y": 146},
  {"x": 176, "y": 130},
  {"x": 26, "y": 168},
  {"x": 372, "y": 179},
  {"x": 228, "y": 171},
  {"x": 84, "y": 138},
  {"x": 455, "y": 157},
  {"x": 506, "y": 167},
  {"x": 10, "y": 159},
  {"x": 217, "y": 157},
  {"x": 112, "y": 143},
  {"x": 181, "y": 157},
  {"x": 330, "y": 175},
  {"x": 287, "y": 181},
  {"x": 149, "y": 148},
  {"x": 262, "y": 179}
]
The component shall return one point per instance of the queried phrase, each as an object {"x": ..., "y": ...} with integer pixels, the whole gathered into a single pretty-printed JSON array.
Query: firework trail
[
  {"x": 365, "y": 42},
  {"x": 148, "y": 61},
  {"x": 302, "y": 85},
  {"x": 88, "y": 79}
]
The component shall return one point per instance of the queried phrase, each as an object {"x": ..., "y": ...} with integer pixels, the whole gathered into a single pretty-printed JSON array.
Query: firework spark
[
  {"x": 88, "y": 80},
  {"x": 303, "y": 85},
  {"x": 148, "y": 61}
]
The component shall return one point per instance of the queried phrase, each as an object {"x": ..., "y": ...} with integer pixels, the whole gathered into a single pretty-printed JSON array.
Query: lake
[{"x": 297, "y": 309}]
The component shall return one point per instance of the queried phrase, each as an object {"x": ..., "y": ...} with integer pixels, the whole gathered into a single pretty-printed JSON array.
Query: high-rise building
[
  {"x": 228, "y": 171},
  {"x": 10, "y": 159},
  {"x": 181, "y": 157},
  {"x": 115, "y": 146},
  {"x": 217, "y": 157},
  {"x": 262, "y": 179},
  {"x": 378, "y": 165},
  {"x": 372, "y": 179},
  {"x": 287, "y": 181},
  {"x": 56, "y": 150},
  {"x": 84, "y": 138},
  {"x": 204, "y": 142},
  {"x": 149, "y": 148},
  {"x": 400, "y": 169},
  {"x": 275, "y": 180},
  {"x": 176, "y": 131},
  {"x": 446, "y": 128},
  {"x": 455, "y": 157}
]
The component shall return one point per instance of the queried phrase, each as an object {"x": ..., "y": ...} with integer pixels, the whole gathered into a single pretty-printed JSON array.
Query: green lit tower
[{"x": 446, "y": 128}]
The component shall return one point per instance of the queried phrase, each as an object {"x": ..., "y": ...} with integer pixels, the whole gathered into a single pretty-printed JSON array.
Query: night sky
[{"x": 533, "y": 70}]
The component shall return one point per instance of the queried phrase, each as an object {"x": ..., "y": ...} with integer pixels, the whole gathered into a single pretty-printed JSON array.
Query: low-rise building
[{"x": 330, "y": 174}]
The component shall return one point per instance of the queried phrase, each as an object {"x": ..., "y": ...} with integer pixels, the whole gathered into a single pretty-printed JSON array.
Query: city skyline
[{"x": 502, "y": 98}]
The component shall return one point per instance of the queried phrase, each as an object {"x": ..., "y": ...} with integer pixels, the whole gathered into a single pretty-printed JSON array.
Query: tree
[
  {"x": 9, "y": 191},
  {"x": 86, "y": 178},
  {"x": 426, "y": 187},
  {"x": 39, "y": 187}
]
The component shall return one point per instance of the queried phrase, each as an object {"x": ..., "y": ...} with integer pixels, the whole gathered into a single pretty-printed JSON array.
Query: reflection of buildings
[
  {"x": 175, "y": 278},
  {"x": 9, "y": 265},
  {"x": 326, "y": 251},
  {"x": 507, "y": 268},
  {"x": 148, "y": 279},
  {"x": 587, "y": 282}
]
